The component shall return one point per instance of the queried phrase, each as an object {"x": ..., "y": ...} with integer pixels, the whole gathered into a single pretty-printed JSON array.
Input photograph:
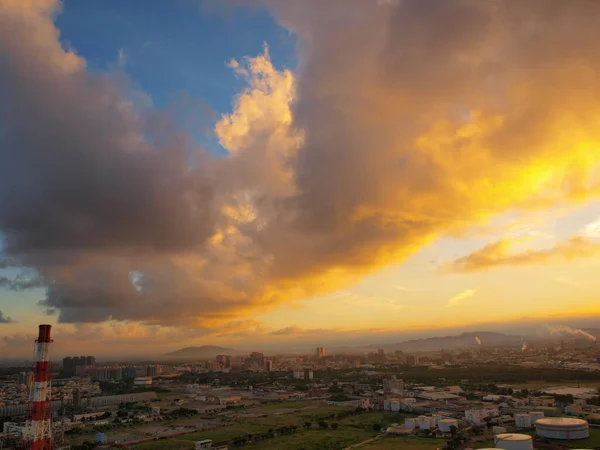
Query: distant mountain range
[
  {"x": 204, "y": 351},
  {"x": 462, "y": 340}
]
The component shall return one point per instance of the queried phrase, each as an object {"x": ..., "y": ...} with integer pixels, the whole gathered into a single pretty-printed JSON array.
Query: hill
[
  {"x": 462, "y": 340},
  {"x": 204, "y": 351}
]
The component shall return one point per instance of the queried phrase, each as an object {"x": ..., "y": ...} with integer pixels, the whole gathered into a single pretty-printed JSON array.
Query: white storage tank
[
  {"x": 410, "y": 423},
  {"x": 424, "y": 423},
  {"x": 523, "y": 420},
  {"x": 445, "y": 425},
  {"x": 395, "y": 405},
  {"x": 535, "y": 415},
  {"x": 509, "y": 441},
  {"x": 387, "y": 405},
  {"x": 564, "y": 428}
]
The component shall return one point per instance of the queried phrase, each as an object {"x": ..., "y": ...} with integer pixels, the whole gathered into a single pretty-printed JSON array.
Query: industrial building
[{"x": 564, "y": 428}]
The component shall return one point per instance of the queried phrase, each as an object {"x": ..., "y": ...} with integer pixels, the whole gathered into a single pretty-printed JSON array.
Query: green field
[
  {"x": 404, "y": 443},
  {"x": 314, "y": 439},
  {"x": 352, "y": 430}
]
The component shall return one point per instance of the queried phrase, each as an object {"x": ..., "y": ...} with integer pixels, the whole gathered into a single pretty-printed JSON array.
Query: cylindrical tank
[
  {"x": 410, "y": 423},
  {"x": 523, "y": 420},
  {"x": 424, "y": 423},
  {"x": 564, "y": 428},
  {"x": 445, "y": 425},
  {"x": 386, "y": 405},
  {"x": 510, "y": 441},
  {"x": 395, "y": 405},
  {"x": 535, "y": 415}
]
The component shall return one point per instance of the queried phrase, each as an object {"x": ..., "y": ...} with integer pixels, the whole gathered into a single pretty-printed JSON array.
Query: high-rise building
[
  {"x": 256, "y": 361},
  {"x": 129, "y": 372},
  {"x": 320, "y": 352},
  {"x": 225, "y": 360},
  {"x": 25, "y": 378},
  {"x": 70, "y": 364},
  {"x": 269, "y": 365},
  {"x": 152, "y": 371},
  {"x": 412, "y": 360}
]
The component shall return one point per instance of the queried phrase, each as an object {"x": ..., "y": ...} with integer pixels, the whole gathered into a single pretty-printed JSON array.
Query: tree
[
  {"x": 377, "y": 427},
  {"x": 323, "y": 424},
  {"x": 334, "y": 426},
  {"x": 453, "y": 430},
  {"x": 307, "y": 424}
]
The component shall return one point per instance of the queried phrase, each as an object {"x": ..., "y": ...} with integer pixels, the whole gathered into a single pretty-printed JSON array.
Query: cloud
[
  {"x": 5, "y": 319},
  {"x": 460, "y": 297},
  {"x": 122, "y": 58},
  {"x": 294, "y": 329},
  {"x": 498, "y": 253},
  {"x": 591, "y": 230},
  {"x": 358, "y": 158},
  {"x": 20, "y": 283}
]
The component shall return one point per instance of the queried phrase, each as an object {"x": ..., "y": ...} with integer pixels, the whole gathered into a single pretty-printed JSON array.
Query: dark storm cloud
[{"x": 82, "y": 168}]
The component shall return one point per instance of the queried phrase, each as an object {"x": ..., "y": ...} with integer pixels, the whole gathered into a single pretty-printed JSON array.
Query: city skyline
[{"x": 202, "y": 173}]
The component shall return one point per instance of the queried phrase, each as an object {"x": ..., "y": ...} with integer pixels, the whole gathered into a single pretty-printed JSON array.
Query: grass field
[
  {"x": 404, "y": 443},
  {"x": 315, "y": 439},
  {"x": 532, "y": 385},
  {"x": 352, "y": 430}
]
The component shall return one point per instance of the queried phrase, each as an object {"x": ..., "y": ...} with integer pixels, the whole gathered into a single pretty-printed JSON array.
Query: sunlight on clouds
[{"x": 459, "y": 298}]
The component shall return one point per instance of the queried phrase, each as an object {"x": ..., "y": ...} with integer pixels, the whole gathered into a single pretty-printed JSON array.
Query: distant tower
[
  {"x": 320, "y": 352},
  {"x": 38, "y": 429}
]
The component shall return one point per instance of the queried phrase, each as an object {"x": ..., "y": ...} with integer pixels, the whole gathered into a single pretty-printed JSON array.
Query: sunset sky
[{"x": 256, "y": 173}]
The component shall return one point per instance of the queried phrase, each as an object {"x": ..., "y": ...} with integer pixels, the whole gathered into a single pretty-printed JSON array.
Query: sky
[{"x": 272, "y": 173}]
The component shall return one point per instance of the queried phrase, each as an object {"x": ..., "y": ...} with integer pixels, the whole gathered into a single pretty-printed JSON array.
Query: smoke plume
[{"x": 563, "y": 329}]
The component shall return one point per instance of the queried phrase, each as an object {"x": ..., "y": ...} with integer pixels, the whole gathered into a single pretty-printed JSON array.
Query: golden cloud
[{"x": 496, "y": 254}]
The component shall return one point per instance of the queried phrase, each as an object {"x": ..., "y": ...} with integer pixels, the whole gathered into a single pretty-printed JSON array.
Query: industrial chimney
[{"x": 38, "y": 430}]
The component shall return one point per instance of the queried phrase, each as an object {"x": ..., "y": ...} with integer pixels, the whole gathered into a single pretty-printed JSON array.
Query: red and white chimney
[{"x": 38, "y": 431}]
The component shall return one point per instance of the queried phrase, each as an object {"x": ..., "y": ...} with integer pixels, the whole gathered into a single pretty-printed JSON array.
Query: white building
[{"x": 477, "y": 416}]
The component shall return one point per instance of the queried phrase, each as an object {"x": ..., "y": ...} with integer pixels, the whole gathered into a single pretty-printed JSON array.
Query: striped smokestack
[{"x": 38, "y": 434}]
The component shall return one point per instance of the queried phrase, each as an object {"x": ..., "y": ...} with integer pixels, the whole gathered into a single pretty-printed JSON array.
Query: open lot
[
  {"x": 404, "y": 443},
  {"x": 262, "y": 418}
]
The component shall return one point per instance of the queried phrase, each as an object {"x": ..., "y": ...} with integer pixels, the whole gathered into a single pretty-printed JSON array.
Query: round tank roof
[
  {"x": 561, "y": 421},
  {"x": 513, "y": 437}
]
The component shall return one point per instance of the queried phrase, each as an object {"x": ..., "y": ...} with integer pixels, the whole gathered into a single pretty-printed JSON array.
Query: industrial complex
[{"x": 414, "y": 396}]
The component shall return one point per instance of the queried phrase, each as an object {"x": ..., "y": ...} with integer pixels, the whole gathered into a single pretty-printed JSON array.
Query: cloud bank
[{"x": 403, "y": 121}]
